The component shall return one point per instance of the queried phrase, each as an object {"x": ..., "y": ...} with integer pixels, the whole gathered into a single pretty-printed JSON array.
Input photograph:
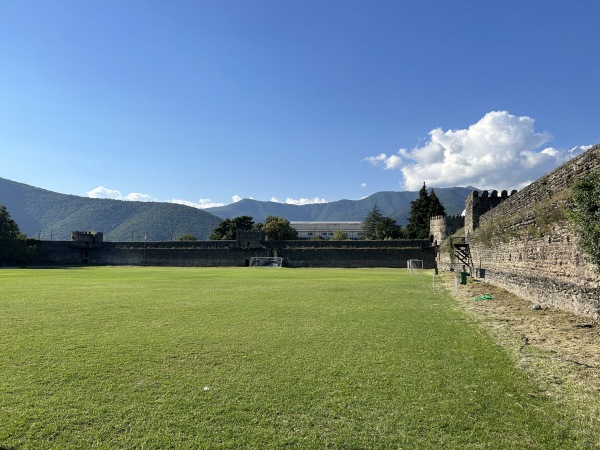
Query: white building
[{"x": 325, "y": 230}]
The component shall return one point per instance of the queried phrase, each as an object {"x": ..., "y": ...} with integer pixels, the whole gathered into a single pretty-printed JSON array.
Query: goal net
[
  {"x": 414, "y": 264},
  {"x": 266, "y": 261}
]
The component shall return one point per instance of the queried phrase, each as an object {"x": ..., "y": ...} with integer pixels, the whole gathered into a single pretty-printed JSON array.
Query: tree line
[
  {"x": 378, "y": 227},
  {"x": 274, "y": 228},
  {"x": 375, "y": 225},
  {"x": 15, "y": 248}
]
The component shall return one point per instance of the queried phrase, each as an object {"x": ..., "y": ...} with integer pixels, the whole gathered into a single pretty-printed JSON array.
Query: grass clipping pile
[{"x": 559, "y": 351}]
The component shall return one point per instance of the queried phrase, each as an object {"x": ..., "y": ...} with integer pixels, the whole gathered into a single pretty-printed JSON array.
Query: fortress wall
[
  {"x": 348, "y": 244},
  {"x": 545, "y": 187},
  {"x": 476, "y": 205},
  {"x": 441, "y": 227},
  {"x": 366, "y": 257},
  {"x": 59, "y": 252},
  {"x": 550, "y": 270},
  {"x": 231, "y": 254},
  {"x": 545, "y": 265}
]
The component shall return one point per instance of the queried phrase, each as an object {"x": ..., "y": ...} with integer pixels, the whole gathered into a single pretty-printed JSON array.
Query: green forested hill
[
  {"x": 50, "y": 214},
  {"x": 39, "y": 212}
]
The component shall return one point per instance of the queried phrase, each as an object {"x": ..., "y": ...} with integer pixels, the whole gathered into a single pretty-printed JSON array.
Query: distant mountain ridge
[
  {"x": 40, "y": 212},
  {"x": 51, "y": 215},
  {"x": 391, "y": 204}
]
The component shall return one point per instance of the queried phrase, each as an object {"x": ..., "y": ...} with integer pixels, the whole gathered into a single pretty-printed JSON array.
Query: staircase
[{"x": 462, "y": 253}]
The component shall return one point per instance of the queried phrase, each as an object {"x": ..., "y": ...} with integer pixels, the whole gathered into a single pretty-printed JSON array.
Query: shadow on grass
[{"x": 56, "y": 266}]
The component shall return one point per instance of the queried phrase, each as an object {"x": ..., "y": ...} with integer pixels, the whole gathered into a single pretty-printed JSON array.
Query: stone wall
[
  {"x": 527, "y": 245},
  {"x": 547, "y": 187},
  {"x": 356, "y": 253},
  {"x": 234, "y": 254},
  {"x": 478, "y": 204},
  {"x": 550, "y": 270},
  {"x": 441, "y": 227}
]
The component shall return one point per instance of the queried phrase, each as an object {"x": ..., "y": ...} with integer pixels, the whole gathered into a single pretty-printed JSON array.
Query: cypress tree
[
  {"x": 421, "y": 210},
  {"x": 435, "y": 206}
]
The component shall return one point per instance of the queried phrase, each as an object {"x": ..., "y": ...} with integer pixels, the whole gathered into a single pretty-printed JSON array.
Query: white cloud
[
  {"x": 578, "y": 150},
  {"x": 363, "y": 185},
  {"x": 137, "y": 197},
  {"x": 501, "y": 151},
  {"x": 301, "y": 201},
  {"x": 236, "y": 198},
  {"x": 103, "y": 192},
  {"x": 376, "y": 159},
  {"x": 305, "y": 201},
  {"x": 200, "y": 204}
]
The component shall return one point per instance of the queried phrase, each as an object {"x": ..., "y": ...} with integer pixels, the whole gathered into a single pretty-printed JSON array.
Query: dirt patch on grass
[{"x": 560, "y": 351}]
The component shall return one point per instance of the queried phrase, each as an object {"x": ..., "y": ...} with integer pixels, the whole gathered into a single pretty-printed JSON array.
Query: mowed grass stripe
[{"x": 120, "y": 358}]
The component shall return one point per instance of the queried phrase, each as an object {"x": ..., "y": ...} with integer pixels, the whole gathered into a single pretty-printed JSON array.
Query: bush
[{"x": 586, "y": 215}]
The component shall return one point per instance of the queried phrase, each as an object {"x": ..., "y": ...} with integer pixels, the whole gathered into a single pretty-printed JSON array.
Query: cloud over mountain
[
  {"x": 300, "y": 201},
  {"x": 500, "y": 151},
  {"x": 103, "y": 192},
  {"x": 200, "y": 204}
]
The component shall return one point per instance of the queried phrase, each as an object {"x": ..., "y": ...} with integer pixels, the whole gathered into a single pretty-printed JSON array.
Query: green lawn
[{"x": 134, "y": 357}]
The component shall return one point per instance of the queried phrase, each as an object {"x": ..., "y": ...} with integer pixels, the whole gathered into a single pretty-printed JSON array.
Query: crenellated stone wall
[
  {"x": 527, "y": 245},
  {"x": 477, "y": 205},
  {"x": 441, "y": 227}
]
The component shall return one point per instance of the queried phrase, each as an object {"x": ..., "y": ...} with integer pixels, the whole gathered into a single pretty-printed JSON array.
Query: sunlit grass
[{"x": 255, "y": 358}]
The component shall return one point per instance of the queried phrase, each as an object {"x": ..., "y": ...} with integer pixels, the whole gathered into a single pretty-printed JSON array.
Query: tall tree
[
  {"x": 421, "y": 210},
  {"x": 369, "y": 225},
  {"x": 387, "y": 229},
  {"x": 435, "y": 206},
  {"x": 226, "y": 230},
  {"x": 222, "y": 231},
  {"x": 243, "y": 223},
  {"x": 13, "y": 244},
  {"x": 279, "y": 229},
  {"x": 8, "y": 227}
]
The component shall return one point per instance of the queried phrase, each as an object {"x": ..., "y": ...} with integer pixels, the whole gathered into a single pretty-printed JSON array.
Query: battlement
[
  {"x": 478, "y": 204},
  {"x": 440, "y": 227},
  {"x": 448, "y": 218},
  {"x": 90, "y": 237},
  {"x": 493, "y": 194}
]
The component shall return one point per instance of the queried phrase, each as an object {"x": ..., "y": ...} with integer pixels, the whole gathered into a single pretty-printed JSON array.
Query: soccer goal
[
  {"x": 414, "y": 264},
  {"x": 266, "y": 261}
]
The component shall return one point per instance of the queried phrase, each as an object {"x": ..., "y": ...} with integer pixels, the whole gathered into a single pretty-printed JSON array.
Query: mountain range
[
  {"x": 52, "y": 216},
  {"x": 390, "y": 203}
]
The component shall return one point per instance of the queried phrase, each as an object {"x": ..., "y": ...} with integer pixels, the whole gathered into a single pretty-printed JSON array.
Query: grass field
[{"x": 256, "y": 358}]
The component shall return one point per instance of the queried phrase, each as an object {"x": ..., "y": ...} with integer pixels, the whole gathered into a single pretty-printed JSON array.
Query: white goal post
[
  {"x": 266, "y": 261},
  {"x": 413, "y": 264}
]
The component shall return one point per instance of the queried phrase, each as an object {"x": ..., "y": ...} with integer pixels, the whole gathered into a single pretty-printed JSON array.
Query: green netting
[{"x": 483, "y": 297}]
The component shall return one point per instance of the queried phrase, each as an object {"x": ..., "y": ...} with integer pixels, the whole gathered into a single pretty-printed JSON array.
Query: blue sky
[{"x": 205, "y": 102}]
